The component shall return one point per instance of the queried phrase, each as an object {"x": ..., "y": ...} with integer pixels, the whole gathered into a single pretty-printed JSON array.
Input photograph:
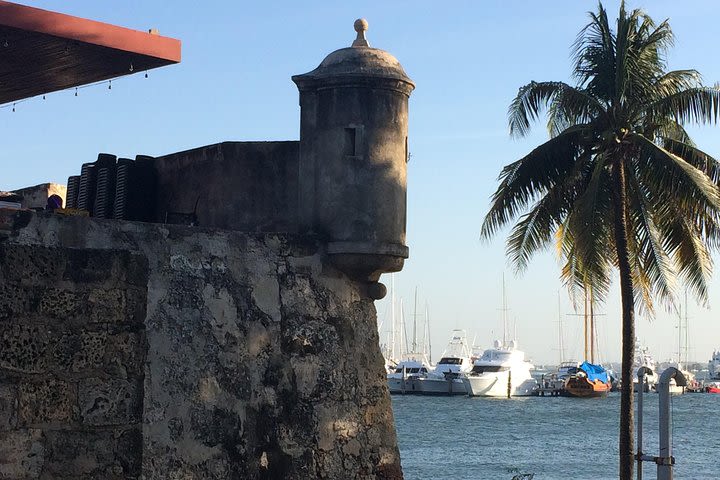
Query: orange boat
[
  {"x": 589, "y": 381},
  {"x": 713, "y": 387}
]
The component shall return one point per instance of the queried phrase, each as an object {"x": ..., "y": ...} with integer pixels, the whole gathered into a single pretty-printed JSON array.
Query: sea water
[{"x": 553, "y": 438}]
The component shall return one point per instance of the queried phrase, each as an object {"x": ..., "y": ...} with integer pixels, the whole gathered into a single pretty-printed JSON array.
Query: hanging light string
[{"x": 109, "y": 84}]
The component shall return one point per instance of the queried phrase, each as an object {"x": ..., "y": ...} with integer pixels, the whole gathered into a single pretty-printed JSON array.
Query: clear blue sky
[{"x": 467, "y": 58}]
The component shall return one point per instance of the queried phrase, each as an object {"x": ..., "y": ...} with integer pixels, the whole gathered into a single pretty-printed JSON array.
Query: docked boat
[
  {"x": 713, "y": 387},
  {"x": 589, "y": 380},
  {"x": 406, "y": 374},
  {"x": 445, "y": 378},
  {"x": 414, "y": 362},
  {"x": 714, "y": 366},
  {"x": 674, "y": 388},
  {"x": 644, "y": 359},
  {"x": 555, "y": 381},
  {"x": 501, "y": 371}
]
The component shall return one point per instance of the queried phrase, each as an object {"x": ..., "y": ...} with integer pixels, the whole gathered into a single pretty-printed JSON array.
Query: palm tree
[{"x": 619, "y": 184}]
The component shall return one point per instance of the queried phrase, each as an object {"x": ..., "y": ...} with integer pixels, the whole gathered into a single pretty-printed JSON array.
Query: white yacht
[
  {"x": 502, "y": 371},
  {"x": 445, "y": 378},
  {"x": 403, "y": 379},
  {"x": 714, "y": 366},
  {"x": 674, "y": 388},
  {"x": 644, "y": 359}
]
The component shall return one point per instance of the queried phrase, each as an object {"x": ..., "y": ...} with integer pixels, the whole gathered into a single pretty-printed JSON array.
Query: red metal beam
[
  {"x": 79, "y": 29},
  {"x": 43, "y": 52}
]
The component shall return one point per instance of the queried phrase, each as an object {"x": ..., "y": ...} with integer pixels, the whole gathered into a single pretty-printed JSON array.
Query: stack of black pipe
[
  {"x": 104, "y": 185},
  {"x": 73, "y": 187},
  {"x": 122, "y": 189}
]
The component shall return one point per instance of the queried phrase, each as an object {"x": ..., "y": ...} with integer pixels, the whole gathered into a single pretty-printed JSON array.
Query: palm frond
[
  {"x": 594, "y": 57},
  {"x": 669, "y": 130},
  {"x": 676, "y": 81},
  {"x": 590, "y": 222},
  {"x": 535, "y": 229},
  {"x": 683, "y": 238},
  {"x": 530, "y": 101},
  {"x": 700, "y": 105},
  {"x": 695, "y": 157},
  {"x": 677, "y": 180},
  {"x": 524, "y": 181},
  {"x": 571, "y": 107},
  {"x": 652, "y": 259}
]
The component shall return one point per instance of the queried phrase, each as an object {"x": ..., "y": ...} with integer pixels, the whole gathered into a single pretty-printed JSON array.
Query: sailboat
[
  {"x": 682, "y": 327},
  {"x": 413, "y": 364},
  {"x": 589, "y": 380}
]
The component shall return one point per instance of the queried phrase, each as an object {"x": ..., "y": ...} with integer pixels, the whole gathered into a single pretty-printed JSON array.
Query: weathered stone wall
[
  {"x": 259, "y": 361},
  {"x": 71, "y": 362},
  {"x": 246, "y": 186}
]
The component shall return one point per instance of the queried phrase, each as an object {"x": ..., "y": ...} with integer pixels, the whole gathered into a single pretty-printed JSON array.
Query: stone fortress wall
[
  {"x": 133, "y": 350},
  {"x": 215, "y": 320},
  {"x": 72, "y": 355}
]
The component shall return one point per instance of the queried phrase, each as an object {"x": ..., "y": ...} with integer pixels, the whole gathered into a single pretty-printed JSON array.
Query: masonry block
[
  {"x": 105, "y": 401},
  {"x": 46, "y": 402}
]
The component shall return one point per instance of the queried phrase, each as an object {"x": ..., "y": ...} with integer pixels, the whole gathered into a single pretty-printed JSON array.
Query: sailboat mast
[
  {"x": 504, "y": 312},
  {"x": 585, "y": 323},
  {"x": 592, "y": 329},
  {"x": 427, "y": 329},
  {"x": 687, "y": 332},
  {"x": 679, "y": 327},
  {"x": 414, "y": 342},
  {"x": 392, "y": 316},
  {"x": 560, "y": 332},
  {"x": 403, "y": 330}
]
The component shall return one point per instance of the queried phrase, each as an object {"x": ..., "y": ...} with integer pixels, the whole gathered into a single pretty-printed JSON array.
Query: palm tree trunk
[{"x": 627, "y": 448}]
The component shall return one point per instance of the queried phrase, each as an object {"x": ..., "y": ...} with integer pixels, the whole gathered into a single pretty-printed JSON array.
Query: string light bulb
[
  {"x": 43, "y": 97},
  {"x": 13, "y": 107},
  {"x": 109, "y": 84},
  {"x": 76, "y": 91},
  {"x": 132, "y": 69},
  {"x": 146, "y": 75}
]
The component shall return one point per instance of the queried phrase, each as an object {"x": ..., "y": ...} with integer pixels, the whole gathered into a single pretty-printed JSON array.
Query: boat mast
[
  {"x": 585, "y": 322},
  {"x": 427, "y": 330},
  {"x": 392, "y": 315},
  {"x": 403, "y": 330},
  {"x": 687, "y": 332},
  {"x": 592, "y": 329},
  {"x": 414, "y": 342},
  {"x": 504, "y": 311},
  {"x": 679, "y": 338},
  {"x": 560, "y": 333}
]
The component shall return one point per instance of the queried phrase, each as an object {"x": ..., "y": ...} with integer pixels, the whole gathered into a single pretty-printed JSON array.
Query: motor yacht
[
  {"x": 406, "y": 374},
  {"x": 500, "y": 372},
  {"x": 714, "y": 366},
  {"x": 644, "y": 359},
  {"x": 445, "y": 378}
]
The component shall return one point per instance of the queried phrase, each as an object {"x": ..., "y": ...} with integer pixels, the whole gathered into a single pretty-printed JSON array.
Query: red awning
[{"x": 42, "y": 51}]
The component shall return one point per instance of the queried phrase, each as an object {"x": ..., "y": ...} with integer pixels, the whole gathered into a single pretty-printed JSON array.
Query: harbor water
[{"x": 463, "y": 438}]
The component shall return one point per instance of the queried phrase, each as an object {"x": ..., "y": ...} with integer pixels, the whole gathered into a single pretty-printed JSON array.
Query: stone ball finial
[{"x": 361, "y": 26}]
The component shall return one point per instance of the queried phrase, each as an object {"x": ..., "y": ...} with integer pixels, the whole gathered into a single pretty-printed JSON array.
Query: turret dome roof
[{"x": 358, "y": 60}]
